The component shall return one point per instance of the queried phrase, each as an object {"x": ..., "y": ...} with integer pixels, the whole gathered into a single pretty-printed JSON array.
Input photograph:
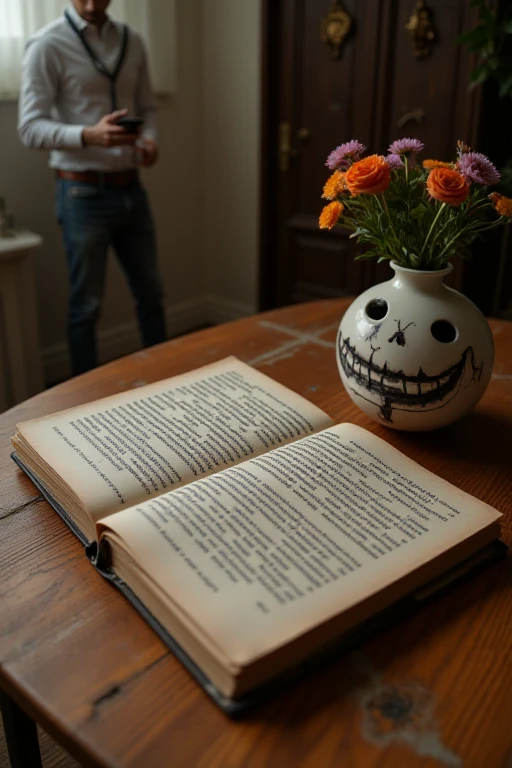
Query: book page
[
  {"x": 126, "y": 448},
  {"x": 256, "y": 554}
]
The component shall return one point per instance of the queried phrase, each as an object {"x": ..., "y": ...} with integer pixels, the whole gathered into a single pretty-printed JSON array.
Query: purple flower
[
  {"x": 394, "y": 161},
  {"x": 406, "y": 146},
  {"x": 343, "y": 156},
  {"x": 478, "y": 168}
]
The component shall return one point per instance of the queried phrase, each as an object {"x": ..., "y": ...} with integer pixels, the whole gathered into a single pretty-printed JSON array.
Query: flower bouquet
[
  {"x": 412, "y": 353},
  {"x": 418, "y": 215}
]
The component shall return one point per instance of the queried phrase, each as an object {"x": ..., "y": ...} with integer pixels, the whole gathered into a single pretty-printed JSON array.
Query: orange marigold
[
  {"x": 502, "y": 204},
  {"x": 334, "y": 185},
  {"x": 429, "y": 164},
  {"x": 368, "y": 176},
  {"x": 448, "y": 186},
  {"x": 330, "y": 215}
]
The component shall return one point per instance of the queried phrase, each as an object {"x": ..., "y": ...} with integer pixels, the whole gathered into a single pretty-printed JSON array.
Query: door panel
[
  {"x": 428, "y": 86},
  {"x": 323, "y": 98}
]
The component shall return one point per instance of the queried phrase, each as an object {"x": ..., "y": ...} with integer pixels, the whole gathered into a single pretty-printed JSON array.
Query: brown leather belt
[{"x": 109, "y": 179}]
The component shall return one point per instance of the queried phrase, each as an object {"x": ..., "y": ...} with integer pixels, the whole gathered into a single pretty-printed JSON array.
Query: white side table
[{"x": 20, "y": 354}]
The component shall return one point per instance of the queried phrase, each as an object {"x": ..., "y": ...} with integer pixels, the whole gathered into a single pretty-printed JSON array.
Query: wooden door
[
  {"x": 376, "y": 91},
  {"x": 318, "y": 102}
]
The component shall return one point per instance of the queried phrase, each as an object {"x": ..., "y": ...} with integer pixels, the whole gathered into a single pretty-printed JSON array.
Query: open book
[{"x": 248, "y": 529}]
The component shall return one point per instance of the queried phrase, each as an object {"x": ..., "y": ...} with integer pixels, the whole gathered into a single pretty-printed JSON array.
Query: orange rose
[
  {"x": 447, "y": 186},
  {"x": 368, "y": 176},
  {"x": 330, "y": 215}
]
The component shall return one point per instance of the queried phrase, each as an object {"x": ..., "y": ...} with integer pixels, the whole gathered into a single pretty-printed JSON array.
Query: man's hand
[
  {"x": 107, "y": 134},
  {"x": 146, "y": 152}
]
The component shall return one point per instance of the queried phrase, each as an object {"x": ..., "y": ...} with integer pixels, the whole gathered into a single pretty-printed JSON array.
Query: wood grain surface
[{"x": 434, "y": 690}]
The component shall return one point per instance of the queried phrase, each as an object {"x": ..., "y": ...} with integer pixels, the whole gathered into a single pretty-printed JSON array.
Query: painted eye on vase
[
  {"x": 444, "y": 331},
  {"x": 376, "y": 309}
]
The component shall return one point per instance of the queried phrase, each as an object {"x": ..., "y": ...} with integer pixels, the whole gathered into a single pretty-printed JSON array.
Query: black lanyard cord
[{"x": 100, "y": 66}]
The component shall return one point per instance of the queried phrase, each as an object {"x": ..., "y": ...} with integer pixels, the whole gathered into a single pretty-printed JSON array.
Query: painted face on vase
[{"x": 400, "y": 360}]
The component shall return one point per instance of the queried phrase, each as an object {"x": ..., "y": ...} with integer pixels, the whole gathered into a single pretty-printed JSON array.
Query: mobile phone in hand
[{"x": 130, "y": 124}]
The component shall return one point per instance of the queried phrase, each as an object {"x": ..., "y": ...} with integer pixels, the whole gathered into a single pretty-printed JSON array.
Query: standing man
[{"x": 81, "y": 75}]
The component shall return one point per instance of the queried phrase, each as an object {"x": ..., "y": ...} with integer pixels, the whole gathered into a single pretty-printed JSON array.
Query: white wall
[
  {"x": 231, "y": 102},
  {"x": 204, "y": 189}
]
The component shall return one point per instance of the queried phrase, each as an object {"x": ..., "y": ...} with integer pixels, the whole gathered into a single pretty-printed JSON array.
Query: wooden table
[{"x": 435, "y": 690}]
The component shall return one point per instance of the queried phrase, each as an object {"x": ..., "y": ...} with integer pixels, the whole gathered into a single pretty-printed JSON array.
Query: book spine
[
  {"x": 99, "y": 556},
  {"x": 49, "y": 498}
]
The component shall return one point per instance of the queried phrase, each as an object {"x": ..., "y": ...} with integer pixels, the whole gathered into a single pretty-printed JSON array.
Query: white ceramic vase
[{"x": 413, "y": 353}]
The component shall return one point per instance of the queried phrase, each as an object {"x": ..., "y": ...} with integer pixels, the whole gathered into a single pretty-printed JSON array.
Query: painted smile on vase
[
  {"x": 412, "y": 353},
  {"x": 393, "y": 389}
]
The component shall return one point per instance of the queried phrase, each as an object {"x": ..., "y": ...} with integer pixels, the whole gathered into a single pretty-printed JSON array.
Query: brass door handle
[
  {"x": 286, "y": 151},
  {"x": 415, "y": 115}
]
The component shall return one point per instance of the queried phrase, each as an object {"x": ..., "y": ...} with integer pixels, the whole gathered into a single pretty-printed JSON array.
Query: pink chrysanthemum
[
  {"x": 343, "y": 156},
  {"x": 478, "y": 168},
  {"x": 406, "y": 146},
  {"x": 394, "y": 161}
]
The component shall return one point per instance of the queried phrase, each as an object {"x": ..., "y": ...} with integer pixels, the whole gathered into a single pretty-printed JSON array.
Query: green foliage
[
  {"x": 505, "y": 185},
  {"x": 408, "y": 226},
  {"x": 491, "y": 40}
]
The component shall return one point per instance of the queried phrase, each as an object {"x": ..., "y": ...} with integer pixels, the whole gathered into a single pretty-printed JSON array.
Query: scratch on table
[
  {"x": 304, "y": 337},
  {"x": 5, "y": 513},
  {"x": 502, "y": 376},
  {"x": 284, "y": 352},
  {"x": 401, "y": 714},
  {"x": 55, "y": 638},
  {"x": 115, "y": 689},
  {"x": 289, "y": 348},
  {"x": 65, "y": 632},
  {"x": 112, "y": 691}
]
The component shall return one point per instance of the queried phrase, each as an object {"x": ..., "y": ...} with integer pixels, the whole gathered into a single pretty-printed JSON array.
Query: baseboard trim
[
  {"x": 221, "y": 310},
  {"x": 124, "y": 339}
]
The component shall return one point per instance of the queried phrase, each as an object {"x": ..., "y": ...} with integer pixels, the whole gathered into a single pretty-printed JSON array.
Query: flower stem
[
  {"x": 381, "y": 200},
  {"x": 441, "y": 208},
  {"x": 459, "y": 235}
]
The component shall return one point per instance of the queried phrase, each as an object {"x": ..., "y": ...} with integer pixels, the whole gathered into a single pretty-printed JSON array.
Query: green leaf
[
  {"x": 418, "y": 212},
  {"x": 506, "y": 86},
  {"x": 358, "y": 231},
  {"x": 366, "y": 255},
  {"x": 480, "y": 74},
  {"x": 475, "y": 38},
  {"x": 507, "y": 27}
]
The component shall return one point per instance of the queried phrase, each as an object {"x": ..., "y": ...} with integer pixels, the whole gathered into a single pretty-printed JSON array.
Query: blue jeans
[{"x": 94, "y": 217}]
